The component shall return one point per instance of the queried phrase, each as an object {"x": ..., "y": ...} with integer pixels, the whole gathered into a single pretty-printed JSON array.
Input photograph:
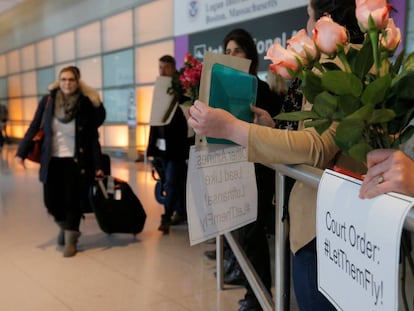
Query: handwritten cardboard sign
[
  {"x": 358, "y": 244},
  {"x": 221, "y": 191}
]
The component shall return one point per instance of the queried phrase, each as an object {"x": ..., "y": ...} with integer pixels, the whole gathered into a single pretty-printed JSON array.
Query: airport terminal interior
[
  {"x": 116, "y": 45},
  {"x": 116, "y": 272}
]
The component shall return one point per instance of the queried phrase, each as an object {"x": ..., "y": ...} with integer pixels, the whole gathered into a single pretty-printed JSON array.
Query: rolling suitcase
[
  {"x": 106, "y": 167},
  {"x": 117, "y": 209}
]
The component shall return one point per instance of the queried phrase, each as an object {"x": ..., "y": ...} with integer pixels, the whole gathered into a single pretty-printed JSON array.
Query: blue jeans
[
  {"x": 174, "y": 187},
  {"x": 304, "y": 266}
]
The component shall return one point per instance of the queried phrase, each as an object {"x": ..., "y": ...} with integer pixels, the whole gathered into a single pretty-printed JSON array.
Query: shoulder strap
[{"x": 44, "y": 110}]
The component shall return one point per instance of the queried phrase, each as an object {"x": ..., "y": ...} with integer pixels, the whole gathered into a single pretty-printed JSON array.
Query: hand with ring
[
  {"x": 389, "y": 170},
  {"x": 380, "y": 179}
]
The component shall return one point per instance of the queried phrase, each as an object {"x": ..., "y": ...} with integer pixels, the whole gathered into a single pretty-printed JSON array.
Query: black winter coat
[
  {"x": 87, "y": 147},
  {"x": 176, "y": 140}
]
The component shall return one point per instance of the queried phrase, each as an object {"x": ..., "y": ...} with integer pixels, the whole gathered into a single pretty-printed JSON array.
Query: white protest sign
[
  {"x": 358, "y": 243},
  {"x": 221, "y": 191}
]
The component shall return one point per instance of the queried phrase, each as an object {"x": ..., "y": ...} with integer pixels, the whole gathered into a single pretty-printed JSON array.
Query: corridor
[{"x": 111, "y": 272}]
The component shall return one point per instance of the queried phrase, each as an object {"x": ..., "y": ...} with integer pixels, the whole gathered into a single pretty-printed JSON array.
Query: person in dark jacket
[
  {"x": 70, "y": 154},
  {"x": 170, "y": 144},
  {"x": 252, "y": 237}
]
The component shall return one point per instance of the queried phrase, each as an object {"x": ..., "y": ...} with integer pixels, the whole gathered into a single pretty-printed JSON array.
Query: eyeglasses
[{"x": 67, "y": 79}]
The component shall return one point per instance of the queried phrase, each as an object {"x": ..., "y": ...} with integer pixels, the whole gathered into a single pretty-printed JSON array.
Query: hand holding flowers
[{"x": 358, "y": 87}]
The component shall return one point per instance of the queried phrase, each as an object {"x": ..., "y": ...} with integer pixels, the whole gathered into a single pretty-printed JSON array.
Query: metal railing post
[
  {"x": 280, "y": 242},
  {"x": 311, "y": 176},
  {"x": 219, "y": 262}
]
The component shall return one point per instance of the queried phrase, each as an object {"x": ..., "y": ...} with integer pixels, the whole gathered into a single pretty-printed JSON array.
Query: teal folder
[{"x": 232, "y": 90}]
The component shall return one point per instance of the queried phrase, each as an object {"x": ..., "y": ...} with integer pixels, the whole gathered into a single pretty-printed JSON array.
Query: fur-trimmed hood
[{"x": 85, "y": 89}]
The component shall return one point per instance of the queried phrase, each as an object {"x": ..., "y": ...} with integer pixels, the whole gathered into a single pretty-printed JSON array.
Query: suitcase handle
[
  {"x": 103, "y": 189},
  {"x": 110, "y": 186}
]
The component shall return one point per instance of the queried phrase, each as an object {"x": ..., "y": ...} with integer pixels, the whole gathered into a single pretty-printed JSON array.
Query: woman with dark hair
[
  {"x": 240, "y": 41},
  {"x": 252, "y": 237},
  {"x": 70, "y": 155},
  {"x": 305, "y": 146}
]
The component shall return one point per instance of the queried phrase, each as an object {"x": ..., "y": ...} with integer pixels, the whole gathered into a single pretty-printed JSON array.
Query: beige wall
[
  {"x": 55, "y": 33},
  {"x": 33, "y": 20}
]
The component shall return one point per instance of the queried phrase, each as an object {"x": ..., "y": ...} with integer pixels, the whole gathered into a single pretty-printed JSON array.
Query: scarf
[{"x": 66, "y": 106}]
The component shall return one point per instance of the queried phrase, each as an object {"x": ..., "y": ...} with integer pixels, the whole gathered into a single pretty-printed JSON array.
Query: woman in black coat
[
  {"x": 252, "y": 237},
  {"x": 70, "y": 154}
]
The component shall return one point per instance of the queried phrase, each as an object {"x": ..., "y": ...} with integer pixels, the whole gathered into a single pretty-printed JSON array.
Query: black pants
[{"x": 62, "y": 192}]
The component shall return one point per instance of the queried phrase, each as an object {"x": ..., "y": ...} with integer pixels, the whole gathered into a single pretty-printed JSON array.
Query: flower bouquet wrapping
[
  {"x": 367, "y": 92},
  {"x": 187, "y": 80}
]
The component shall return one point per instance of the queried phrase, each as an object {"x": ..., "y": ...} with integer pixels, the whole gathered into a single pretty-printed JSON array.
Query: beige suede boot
[{"x": 71, "y": 239}]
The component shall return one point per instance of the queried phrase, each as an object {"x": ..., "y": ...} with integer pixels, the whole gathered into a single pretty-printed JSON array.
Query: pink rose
[
  {"x": 392, "y": 38},
  {"x": 327, "y": 35},
  {"x": 377, "y": 9},
  {"x": 304, "y": 46},
  {"x": 283, "y": 60}
]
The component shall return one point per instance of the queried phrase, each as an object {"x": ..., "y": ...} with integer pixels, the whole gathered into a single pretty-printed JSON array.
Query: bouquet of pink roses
[{"x": 359, "y": 87}]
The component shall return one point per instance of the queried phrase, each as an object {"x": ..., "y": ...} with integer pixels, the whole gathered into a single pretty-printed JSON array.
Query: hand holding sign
[{"x": 356, "y": 256}]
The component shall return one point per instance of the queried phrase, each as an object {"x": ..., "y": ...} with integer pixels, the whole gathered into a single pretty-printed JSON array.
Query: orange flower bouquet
[{"x": 370, "y": 96}]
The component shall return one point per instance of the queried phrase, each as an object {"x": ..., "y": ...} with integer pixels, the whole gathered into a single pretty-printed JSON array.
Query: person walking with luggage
[
  {"x": 170, "y": 144},
  {"x": 70, "y": 154}
]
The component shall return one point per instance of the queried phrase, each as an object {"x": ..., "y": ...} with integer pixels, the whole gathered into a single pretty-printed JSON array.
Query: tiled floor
[{"x": 111, "y": 272}]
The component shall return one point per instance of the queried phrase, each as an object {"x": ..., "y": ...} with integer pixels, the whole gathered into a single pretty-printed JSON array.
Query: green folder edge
[{"x": 232, "y": 90}]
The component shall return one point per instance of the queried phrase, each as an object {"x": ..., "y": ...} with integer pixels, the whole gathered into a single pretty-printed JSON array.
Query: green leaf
[
  {"x": 311, "y": 86},
  {"x": 403, "y": 85},
  {"x": 381, "y": 116},
  {"x": 348, "y": 133},
  {"x": 319, "y": 125},
  {"x": 348, "y": 104},
  {"x": 342, "y": 83},
  {"x": 362, "y": 114},
  {"x": 325, "y": 104},
  {"x": 359, "y": 152},
  {"x": 296, "y": 116},
  {"x": 361, "y": 61},
  {"x": 375, "y": 92}
]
